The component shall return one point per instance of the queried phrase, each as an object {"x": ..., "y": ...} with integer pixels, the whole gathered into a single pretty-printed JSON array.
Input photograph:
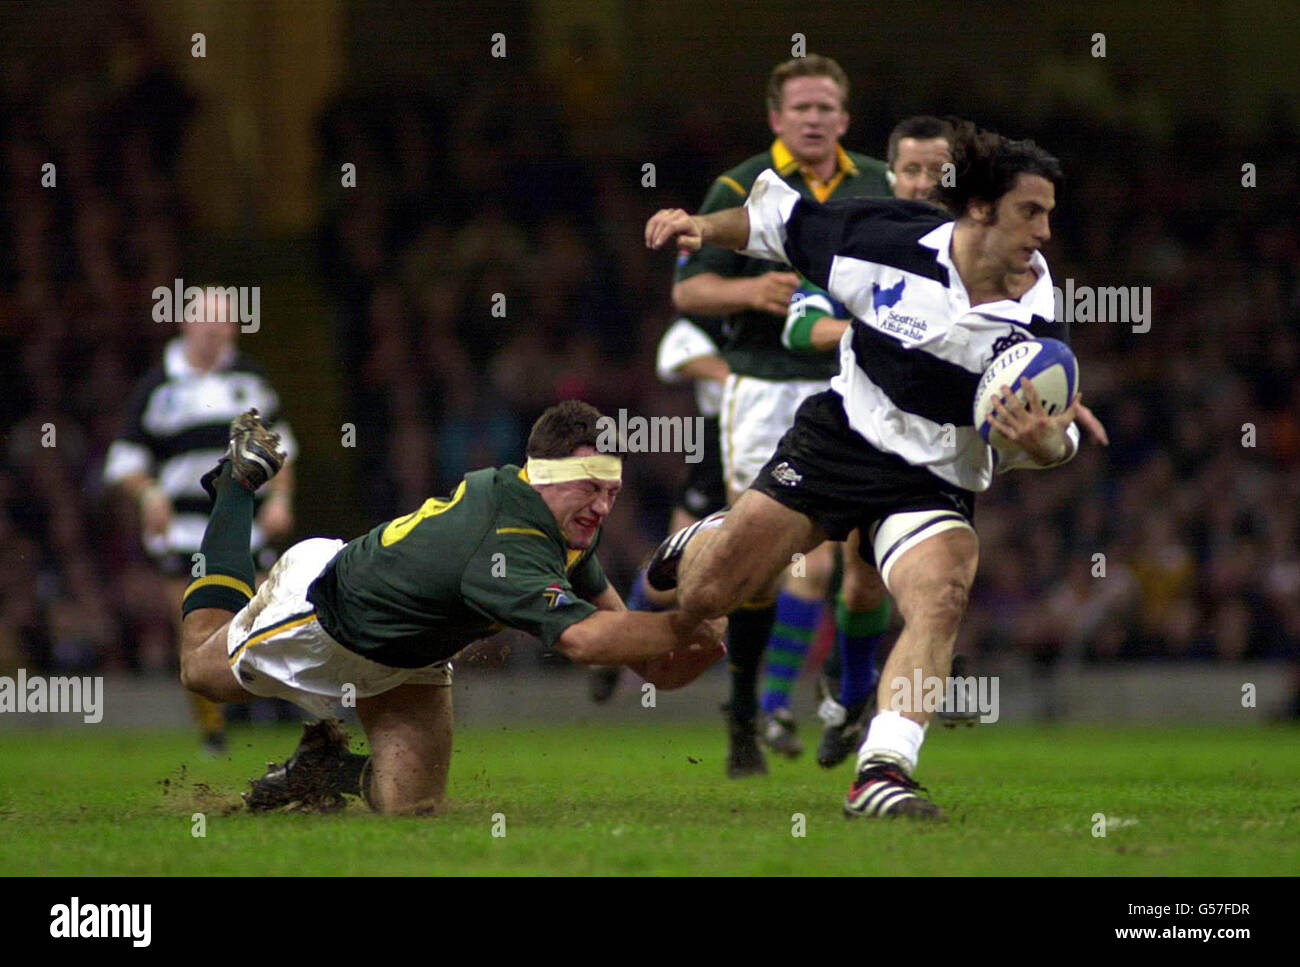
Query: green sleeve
[
  {"x": 712, "y": 258},
  {"x": 798, "y": 331},
  {"x": 518, "y": 580}
]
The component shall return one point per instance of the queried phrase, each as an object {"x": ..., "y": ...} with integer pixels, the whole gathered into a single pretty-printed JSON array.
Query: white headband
[{"x": 600, "y": 466}]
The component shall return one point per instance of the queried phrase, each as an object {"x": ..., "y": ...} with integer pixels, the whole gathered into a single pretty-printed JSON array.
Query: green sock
[{"x": 227, "y": 569}]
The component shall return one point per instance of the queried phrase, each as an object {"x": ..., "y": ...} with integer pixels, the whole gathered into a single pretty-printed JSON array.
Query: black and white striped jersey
[
  {"x": 912, "y": 359},
  {"x": 178, "y": 425}
]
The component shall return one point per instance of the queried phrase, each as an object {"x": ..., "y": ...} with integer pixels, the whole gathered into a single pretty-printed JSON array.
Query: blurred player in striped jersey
[{"x": 177, "y": 425}]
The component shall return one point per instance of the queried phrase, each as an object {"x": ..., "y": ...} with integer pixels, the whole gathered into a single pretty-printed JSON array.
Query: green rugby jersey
[
  {"x": 418, "y": 589},
  {"x": 754, "y": 346}
]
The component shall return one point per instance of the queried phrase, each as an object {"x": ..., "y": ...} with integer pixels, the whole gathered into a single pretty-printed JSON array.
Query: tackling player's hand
[
  {"x": 696, "y": 634},
  {"x": 772, "y": 291},
  {"x": 674, "y": 224},
  {"x": 678, "y": 668},
  {"x": 1027, "y": 425}
]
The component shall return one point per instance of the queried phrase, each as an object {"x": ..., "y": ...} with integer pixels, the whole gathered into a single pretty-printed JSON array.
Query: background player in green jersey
[
  {"x": 378, "y": 619},
  {"x": 807, "y": 100}
]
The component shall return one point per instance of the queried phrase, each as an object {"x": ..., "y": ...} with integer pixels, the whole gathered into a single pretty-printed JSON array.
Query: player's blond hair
[{"x": 814, "y": 65}]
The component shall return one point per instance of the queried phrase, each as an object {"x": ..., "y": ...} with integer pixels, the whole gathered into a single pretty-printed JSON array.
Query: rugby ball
[{"x": 1049, "y": 363}]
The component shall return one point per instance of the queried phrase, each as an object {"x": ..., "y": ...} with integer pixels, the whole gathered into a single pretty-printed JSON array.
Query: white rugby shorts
[
  {"x": 755, "y": 415},
  {"x": 277, "y": 648}
]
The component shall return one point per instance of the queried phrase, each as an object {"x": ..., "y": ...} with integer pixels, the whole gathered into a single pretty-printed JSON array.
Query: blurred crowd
[
  {"x": 89, "y": 142},
  {"x": 489, "y": 262}
]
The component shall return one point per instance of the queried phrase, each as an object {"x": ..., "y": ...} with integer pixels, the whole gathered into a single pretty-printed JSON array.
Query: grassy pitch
[{"x": 620, "y": 800}]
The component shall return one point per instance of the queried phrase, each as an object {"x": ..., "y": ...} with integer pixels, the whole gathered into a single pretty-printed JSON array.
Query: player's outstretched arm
[
  {"x": 765, "y": 229},
  {"x": 675, "y": 669},
  {"x": 728, "y": 228},
  {"x": 624, "y": 637}
]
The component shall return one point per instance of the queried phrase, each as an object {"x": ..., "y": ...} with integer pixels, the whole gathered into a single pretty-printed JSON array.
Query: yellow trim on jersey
[
  {"x": 782, "y": 158},
  {"x": 270, "y": 632},
  {"x": 571, "y": 555},
  {"x": 733, "y": 184},
  {"x": 786, "y": 165},
  {"x": 402, "y": 526},
  {"x": 844, "y": 161},
  {"x": 822, "y": 190},
  {"x": 522, "y": 530},
  {"x": 223, "y": 580}
]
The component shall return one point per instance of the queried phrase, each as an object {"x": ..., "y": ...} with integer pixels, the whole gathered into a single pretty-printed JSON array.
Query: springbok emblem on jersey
[{"x": 556, "y": 597}]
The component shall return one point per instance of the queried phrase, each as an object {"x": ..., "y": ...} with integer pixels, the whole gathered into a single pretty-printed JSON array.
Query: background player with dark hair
[
  {"x": 932, "y": 300},
  {"x": 177, "y": 424},
  {"x": 807, "y": 102},
  {"x": 383, "y": 614},
  {"x": 916, "y": 152}
]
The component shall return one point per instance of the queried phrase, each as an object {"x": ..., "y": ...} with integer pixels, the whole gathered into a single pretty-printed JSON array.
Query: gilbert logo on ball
[{"x": 1049, "y": 363}]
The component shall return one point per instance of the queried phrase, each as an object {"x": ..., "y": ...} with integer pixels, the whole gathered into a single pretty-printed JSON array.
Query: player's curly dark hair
[
  {"x": 986, "y": 166},
  {"x": 563, "y": 428}
]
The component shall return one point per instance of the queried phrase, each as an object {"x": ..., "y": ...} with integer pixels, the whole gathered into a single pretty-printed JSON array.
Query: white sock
[{"x": 895, "y": 737}]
